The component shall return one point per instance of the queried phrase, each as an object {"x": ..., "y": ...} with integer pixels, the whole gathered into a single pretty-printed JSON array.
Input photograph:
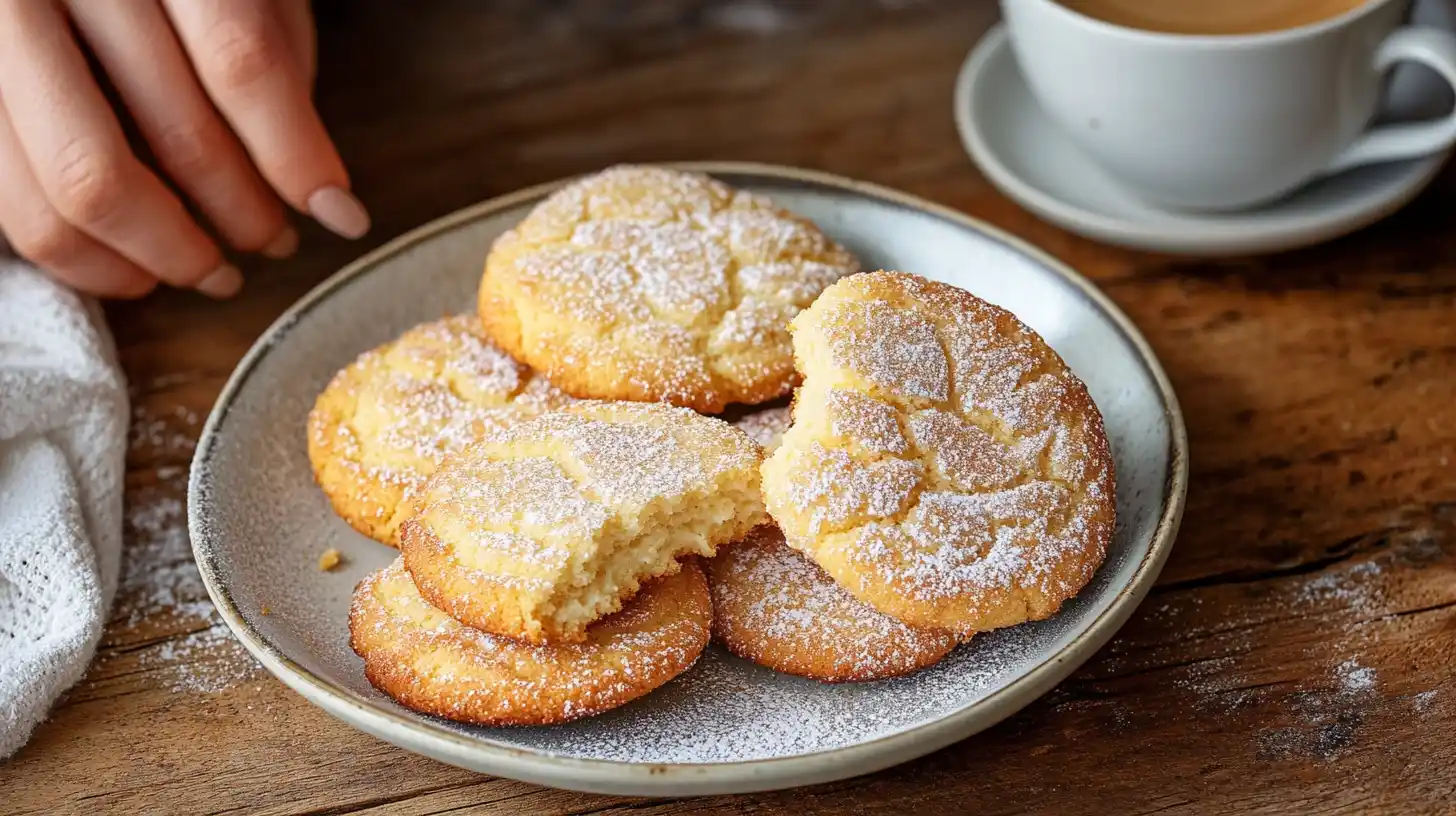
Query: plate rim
[
  {"x": 641, "y": 778},
  {"x": 1177, "y": 237}
]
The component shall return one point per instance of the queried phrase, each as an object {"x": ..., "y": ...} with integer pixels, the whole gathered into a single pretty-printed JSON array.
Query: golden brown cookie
[
  {"x": 542, "y": 528},
  {"x": 650, "y": 284},
  {"x": 766, "y": 427},
  {"x": 944, "y": 465},
  {"x": 384, "y": 423},
  {"x": 774, "y": 606},
  {"x": 433, "y": 664}
]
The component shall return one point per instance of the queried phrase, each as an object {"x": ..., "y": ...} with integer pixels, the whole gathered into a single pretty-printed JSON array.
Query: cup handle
[{"x": 1434, "y": 48}]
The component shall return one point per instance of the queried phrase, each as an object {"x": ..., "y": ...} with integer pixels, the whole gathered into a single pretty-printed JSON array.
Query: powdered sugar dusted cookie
[
  {"x": 431, "y": 663},
  {"x": 542, "y": 528},
  {"x": 774, "y": 606},
  {"x": 944, "y": 464},
  {"x": 650, "y": 284},
  {"x": 384, "y": 423}
]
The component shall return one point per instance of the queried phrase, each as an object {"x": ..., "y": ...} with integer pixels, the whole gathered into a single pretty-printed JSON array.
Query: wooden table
[{"x": 1295, "y": 657}]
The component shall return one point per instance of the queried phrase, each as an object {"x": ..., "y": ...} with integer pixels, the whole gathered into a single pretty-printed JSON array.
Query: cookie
[
  {"x": 944, "y": 465},
  {"x": 385, "y": 422},
  {"x": 650, "y": 284},
  {"x": 433, "y": 664},
  {"x": 775, "y": 607},
  {"x": 540, "y": 529},
  {"x": 766, "y": 427}
]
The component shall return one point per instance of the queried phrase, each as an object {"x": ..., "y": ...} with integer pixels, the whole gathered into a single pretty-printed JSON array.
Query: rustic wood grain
[{"x": 1295, "y": 657}]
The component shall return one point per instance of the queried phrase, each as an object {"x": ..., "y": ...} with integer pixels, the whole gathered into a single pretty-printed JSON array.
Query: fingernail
[
  {"x": 283, "y": 244},
  {"x": 222, "y": 282},
  {"x": 341, "y": 212}
]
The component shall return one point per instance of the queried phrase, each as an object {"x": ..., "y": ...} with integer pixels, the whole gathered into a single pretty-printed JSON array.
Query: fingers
[
  {"x": 77, "y": 153},
  {"x": 243, "y": 56},
  {"x": 39, "y": 233},
  {"x": 134, "y": 42},
  {"x": 297, "y": 17}
]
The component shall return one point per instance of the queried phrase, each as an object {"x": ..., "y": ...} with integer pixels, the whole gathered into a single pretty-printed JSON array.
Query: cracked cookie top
[
  {"x": 651, "y": 284},
  {"x": 944, "y": 465},
  {"x": 386, "y": 421}
]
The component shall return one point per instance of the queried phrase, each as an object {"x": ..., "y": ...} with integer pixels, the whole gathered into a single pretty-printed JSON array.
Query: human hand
[{"x": 220, "y": 91}]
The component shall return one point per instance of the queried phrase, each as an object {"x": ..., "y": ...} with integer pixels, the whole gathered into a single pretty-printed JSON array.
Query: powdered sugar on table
[{"x": 160, "y": 586}]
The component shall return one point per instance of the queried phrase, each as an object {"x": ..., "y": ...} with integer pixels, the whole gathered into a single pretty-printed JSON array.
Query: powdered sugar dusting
[
  {"x": 160, "y": 587},
  {"x": 1324, "y": 722},
  {"x": 1314, "y": 698},
  {"x": 399, "y": 410},
  {"x": 664, "y": 285},
  {"x": 158, "y": 574},
  {"x": 732, "y": 722},
  {"x": 837, "y": 493},
  {"x": 487, "y": 495},
  {"x": 206, "y": 661},
  {"x": 864, "y": 421},
  {"x": 1004, "y": 539},
  {"x": 1354, "y": 588},
  {"x": 679, "y": 271},
  {"x": 968, "y": 456},
  {"x": 452, "y": 670},
  {"x": 1354, "y": 677},
  {"x": 773, "y": 605},
  {"x": 629, "y": 455},
  {"x": 895, "y": 350},
  {"x": 163, "y": 433}
]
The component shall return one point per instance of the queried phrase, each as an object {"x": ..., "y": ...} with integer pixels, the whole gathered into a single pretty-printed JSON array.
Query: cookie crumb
[
  {"x": 329, "y": 559},
  {"x": 265, "y": 611}
]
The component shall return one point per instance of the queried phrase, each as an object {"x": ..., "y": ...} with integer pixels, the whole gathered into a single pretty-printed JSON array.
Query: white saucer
[{"x": 1029, "y": 159}]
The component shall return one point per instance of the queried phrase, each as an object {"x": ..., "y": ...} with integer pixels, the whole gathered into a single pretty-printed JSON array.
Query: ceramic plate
[{"x": 258, "y": 521}]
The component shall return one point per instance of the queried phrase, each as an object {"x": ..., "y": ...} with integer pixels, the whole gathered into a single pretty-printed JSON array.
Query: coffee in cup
[{"x": 1212, "y": 16}]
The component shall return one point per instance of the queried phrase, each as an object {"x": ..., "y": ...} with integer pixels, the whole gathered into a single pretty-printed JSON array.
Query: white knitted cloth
[{"x": 63, "y": 424}]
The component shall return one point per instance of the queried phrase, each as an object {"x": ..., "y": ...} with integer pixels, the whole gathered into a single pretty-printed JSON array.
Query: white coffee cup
[{"x": 1224, "y": 122}]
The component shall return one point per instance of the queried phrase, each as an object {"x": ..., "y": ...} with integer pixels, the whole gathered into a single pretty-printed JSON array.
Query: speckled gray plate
[{"x": 258, "y": 522}]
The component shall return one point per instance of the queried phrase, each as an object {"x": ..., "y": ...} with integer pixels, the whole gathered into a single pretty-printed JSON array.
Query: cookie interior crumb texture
[
  {"x": 645, "y": 283},
  {"x": 543, "y": 528},
  {"x": 944, "y": 465}
]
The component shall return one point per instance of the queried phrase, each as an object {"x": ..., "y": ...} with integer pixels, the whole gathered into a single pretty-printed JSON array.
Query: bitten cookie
[
  {"x": 385, "y": 422},
  {"x": 650, "y": 284},
  {"x": 540, "y": 529},
  {"x": 774, "y": 606},
  {"x": 433, "y": 664},
  {"x": 944, "y": 465}
]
